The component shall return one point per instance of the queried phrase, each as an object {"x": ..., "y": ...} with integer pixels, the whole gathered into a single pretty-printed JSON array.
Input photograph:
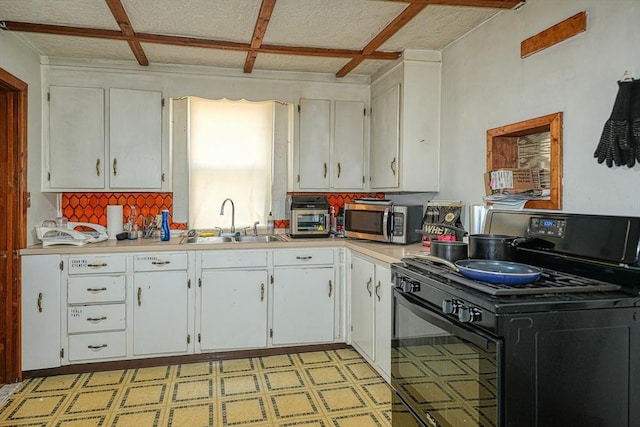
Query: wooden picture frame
[{"x": 503, "y": 152}]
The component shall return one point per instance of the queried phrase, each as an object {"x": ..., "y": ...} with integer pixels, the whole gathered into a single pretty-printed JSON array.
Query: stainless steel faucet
[{"x": 233, "y": 214}]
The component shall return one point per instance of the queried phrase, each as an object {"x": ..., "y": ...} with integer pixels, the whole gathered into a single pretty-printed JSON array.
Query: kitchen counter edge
[{"x": 384, "y": 252}]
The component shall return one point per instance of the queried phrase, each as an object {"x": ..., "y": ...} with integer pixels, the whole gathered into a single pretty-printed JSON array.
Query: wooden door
[{"x": 13, "y": 214}]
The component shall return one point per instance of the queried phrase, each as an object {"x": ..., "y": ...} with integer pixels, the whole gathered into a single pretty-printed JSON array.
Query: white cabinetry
[
  {"x": 303, "y": 296},
  {"x": 371, "y": 312},
  {"x": 331, "y": 145},
  {"x": 90, "y": 150},
  {"x": 76, "y": 139},
  {"x": 405, "y": 125},
  {"x": 232, "y": 300},
  {"x": 41, "y": 332},
  {"x": 161, "y": 304},
  {"x": 95, "y": 315}
]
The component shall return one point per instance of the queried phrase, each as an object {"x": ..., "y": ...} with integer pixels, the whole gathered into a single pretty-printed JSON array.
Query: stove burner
[{"x": 550, "y": 282}]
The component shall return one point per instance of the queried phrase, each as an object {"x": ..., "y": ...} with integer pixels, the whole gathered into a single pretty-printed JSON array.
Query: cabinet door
[
  {"x": 348, "y": 164},
  {"x": 160, "y": 312},
  {"x": 233, "y": 309},
  {"x": 41, "y": 312},
  {"x": 383, "y": 322},
  {"x": 314, "y": 147},
  {"x": 385, "y": 138},
  {"x": 135, "y": 139},
  {"x": 303, "y": 305},
  {"x": 76, "y": 138},
  {"x": 362, "y": 288}
]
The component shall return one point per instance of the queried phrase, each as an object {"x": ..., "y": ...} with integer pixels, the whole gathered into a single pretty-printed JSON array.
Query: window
[{"x": 228, "y": 149}]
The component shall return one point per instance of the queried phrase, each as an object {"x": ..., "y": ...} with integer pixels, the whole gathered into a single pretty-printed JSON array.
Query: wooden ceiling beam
[
  {"x": 266, "y": 9},
  {"x": 192, "y": 41},
  {"x": 496, "y": 4},
  {"x": 394, "y": 26},
  {"x": 121, "y": 17}
]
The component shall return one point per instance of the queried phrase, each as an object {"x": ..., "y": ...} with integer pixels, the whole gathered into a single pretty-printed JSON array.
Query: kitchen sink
[
  {"x": 208, "y": 240},
  {"x": 256, "y": 239}
]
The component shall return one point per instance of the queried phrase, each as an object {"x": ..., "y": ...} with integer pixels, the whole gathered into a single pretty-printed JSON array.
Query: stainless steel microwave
[{"x": 383, "y": 222}]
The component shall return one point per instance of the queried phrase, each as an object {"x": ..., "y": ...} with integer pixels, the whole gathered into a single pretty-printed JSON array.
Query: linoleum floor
[{"x": 333, "y": 388}]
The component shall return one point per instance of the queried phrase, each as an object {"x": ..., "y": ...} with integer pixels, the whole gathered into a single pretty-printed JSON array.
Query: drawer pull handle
[
  {"x": 96, "y": 289},
  {"x": 40, "y": 302},
  {"x": 369, "y": 286},
  {"x": 262, "y": 292},
  {"x": 96, "y": 319},
  {"x": 97, "y": 265},
  {"x": 97, "y": 347},
  {"x": 160, "y": 262},
  {"x": 304, "y": 258},
  {"x": 378, "y": 290},
  {"x": 139, "y": 297},
  {"x": 330, "y": 288}
]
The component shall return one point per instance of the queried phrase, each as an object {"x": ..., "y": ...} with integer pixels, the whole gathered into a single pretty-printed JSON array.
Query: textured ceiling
[{"x": 334, "y": 24}]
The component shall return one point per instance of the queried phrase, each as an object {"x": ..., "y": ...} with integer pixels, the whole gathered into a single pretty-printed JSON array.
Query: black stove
[{"x": 524, "y": 352}]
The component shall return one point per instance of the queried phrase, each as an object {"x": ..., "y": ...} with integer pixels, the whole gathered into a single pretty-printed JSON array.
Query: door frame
[{"x": 13, "y": 211}]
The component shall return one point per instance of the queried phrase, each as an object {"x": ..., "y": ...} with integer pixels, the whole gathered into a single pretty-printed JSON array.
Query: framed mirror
[{"x": 531, "y": 144}]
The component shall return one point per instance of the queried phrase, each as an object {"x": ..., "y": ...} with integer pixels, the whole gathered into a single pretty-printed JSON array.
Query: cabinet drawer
[
  {"x": 303, "y": 256},
  {"x": 161, "y": 261},
  {"x": 97, "y": 346},
  {"x": 91, "y": 289},
  {"x": 233, "y": 259},
  {"x": 95, "y": 318},
  {"x": 88, "y": 264}
]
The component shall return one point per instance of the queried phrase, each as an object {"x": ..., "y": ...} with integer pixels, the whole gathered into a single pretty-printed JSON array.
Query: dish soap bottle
[
  {"x": 165, "y": 233},
  {"x": 270, "y": 224},
  {"x": 133, "y": 224}
]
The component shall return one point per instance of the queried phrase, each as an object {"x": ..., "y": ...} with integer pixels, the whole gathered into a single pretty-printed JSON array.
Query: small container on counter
[{"x": 165, "y": 233}]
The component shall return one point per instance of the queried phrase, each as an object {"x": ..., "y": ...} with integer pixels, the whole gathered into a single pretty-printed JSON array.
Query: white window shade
[{"x": 230, "y": 156}]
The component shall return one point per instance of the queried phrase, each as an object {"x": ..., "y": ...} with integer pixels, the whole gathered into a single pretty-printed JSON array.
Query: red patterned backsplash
[
  {"x": 92, "y": 207},
  {"x": 337, "y": 200}
]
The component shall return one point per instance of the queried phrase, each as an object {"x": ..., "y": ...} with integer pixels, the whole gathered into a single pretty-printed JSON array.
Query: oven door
[{"x": 446, "y": 373}]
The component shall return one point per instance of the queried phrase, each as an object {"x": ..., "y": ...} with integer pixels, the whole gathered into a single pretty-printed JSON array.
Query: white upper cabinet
[
  {"x": 135, "y": 139},
  {"x": 331, "y": 145},
  {"x": 385, "y": 138},
  {"x": 405, "y": 125},
  {"x": 90, "y": 147},
  {"x": 76, "y": 138}
]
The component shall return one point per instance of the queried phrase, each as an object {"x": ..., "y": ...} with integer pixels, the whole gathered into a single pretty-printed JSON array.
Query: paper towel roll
[{"x": 115, "y": 217}]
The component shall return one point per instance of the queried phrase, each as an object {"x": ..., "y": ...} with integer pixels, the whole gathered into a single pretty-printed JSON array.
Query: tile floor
[{"x": 334, "y": 388}]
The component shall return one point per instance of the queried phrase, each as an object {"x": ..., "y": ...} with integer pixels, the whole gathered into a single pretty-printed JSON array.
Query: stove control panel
[{"x": 550, "y": 227}]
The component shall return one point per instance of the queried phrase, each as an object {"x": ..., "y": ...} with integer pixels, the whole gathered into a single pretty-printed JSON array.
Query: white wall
[
  {"x": 485, "y": 84},
  {"x": 20, "y": 60}
]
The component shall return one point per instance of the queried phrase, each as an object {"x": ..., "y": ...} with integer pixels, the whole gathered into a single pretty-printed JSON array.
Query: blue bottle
[{"x": 165, "y": 234}]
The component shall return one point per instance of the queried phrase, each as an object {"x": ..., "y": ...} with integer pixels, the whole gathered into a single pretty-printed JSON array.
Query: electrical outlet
[{"x": 159, "y": 219}]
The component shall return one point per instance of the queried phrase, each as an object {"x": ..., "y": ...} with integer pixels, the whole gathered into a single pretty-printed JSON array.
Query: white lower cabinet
[
  {"x": 232, "y": 300},
  {"x": 303, "y": 296},
  {"x": 160, "y": 304},
  {"x": 95, "y": 318},
  {"x": 233, "y": 308},
  {"x": 371, "y": 312},
  {"x": 41, "y": 312}
]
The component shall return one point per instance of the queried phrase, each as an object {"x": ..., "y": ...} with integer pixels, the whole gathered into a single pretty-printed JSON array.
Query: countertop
[{"x": 385, "y": 252}]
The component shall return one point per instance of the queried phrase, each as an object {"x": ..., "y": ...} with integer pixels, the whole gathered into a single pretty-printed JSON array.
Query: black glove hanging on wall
[
  {"x": 634, "y": 119},
  {"x": 615, "y": 135}
]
